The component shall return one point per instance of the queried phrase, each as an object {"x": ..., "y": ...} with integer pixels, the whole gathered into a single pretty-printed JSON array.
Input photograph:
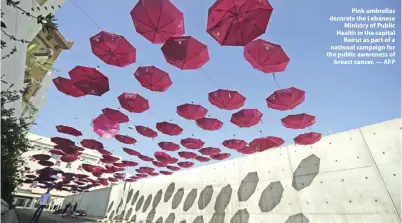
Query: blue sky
[{"x": 341, "y": 97}]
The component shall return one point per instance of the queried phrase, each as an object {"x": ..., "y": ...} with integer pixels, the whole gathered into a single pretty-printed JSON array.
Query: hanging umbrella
[
  {"x": 220, "y": 156},
  {"x": 68, "y": 130},
  {"x": 57, "y": 152},
  {"x": 286, "y": 99},
  {"x": 110, "y": 158},
  {"x": 265, "y": 56},
  {"x": 88, "y": 167},
  {"x": 91, "y": 144},
  {"x": 191, "y": 111},
  {"x": 187, "y": 155},
  {"x": 246, "y": 118},
  {"x": 141, "y": 175},
  {"x": 69, "y": 158},
  {"x": 236, "y": 23},
  {"x": 119, "y": 165},
  {"x": 159, "y": 164},
  {"x": 66, "y": 87},
  {"x": 133, "y": 103},
  {"x": 165, "y": 172},
  {"x": 169, "y": 128},
  {"x": 169, "y": 146},
  {"x": 209, "y": 124},
  {"x": 265, "y": 143},
  {"x": 172, "y": 160},
  {"x": 185, "y": 52},
  {"x": 62, "y": 141},
  {"x": 173, "y": 168},
  {"x": 145, "y": 131},
  {"x": 89, "y": 80},
  {"x": 145, "y": 158},
  {"x": 162, "y": 157},
  {"x": 131, "y": 152},
  {"x": 113, "y": 49},
  {"x": 153, "y": 174},
  {"x": 209, "y": 151},
  {"x": 202, "y": 159},
  {"x": 129, "y": 163},
  {"x": 226, "y": 99},
  {"x": 125, "y": 139},
  {"x": 153, "y": 78},
  {"x": 234, "y": 143},
  {"x": 185, "y": 164},
  {"x": 144, "y": 170},
  {"x": 41, "y": 157},
  {"x": 157, "y": 20},
  {"x": 192, "y": 143},
  {"x": 46, "y": 163},
  {"x": 247, "y": 150},
  {"x": 115, "y": 115},
  {"x": 105, "y": 127},
  {"x": 129, "y": 180},
  {"x": 307, "y": 138},
  {"x": 299, "y": 121}
]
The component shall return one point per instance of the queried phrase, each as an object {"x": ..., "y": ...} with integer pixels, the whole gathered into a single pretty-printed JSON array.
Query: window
[{"x": 41, "y": 2}]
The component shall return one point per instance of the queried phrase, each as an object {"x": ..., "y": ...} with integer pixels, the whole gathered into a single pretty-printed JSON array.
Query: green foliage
[{"x": 14, "y": 142}]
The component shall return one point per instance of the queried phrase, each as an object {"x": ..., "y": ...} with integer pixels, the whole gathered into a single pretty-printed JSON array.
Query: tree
[{"x": 14, "y": 142}]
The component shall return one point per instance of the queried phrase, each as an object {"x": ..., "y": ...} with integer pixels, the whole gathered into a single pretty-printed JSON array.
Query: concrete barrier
[{"x": 349, "y": 177}]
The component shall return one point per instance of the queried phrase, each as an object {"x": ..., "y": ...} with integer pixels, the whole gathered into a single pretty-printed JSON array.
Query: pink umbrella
[
  {"x": 145, "y": 158},
  {"x": 125, "y": 139},
  {"x": 234, "y": 143},
  {"x": 209, "y": 151},
  {"x": 104, "y": 127},
  {"x": 113, "y": 49},
  {"x": 192, "y": 143},
  {"x": 159, "y": 164},
  {"x": 220, "y": 156},
  {"x": 185, "y": 164},
  {"x": 165, "y": 172},
  {"x": 115, "y": 115},
  {"x": 265, "y": 143},
  {"x": 169, "y": 146},
  {"x": 173, "y": 168},
  {"x": 187, "y": 155},
  {"x": 131, "y": 152},
  {"x": 145, "y": 170},
  {"x": 202, "y": 159},
  {"x": 247, "y": 150},
  {"x": 307, "y": 138}
]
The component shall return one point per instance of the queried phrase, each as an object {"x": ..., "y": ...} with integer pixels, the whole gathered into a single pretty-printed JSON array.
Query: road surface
[{"x": 25, "y": 216}]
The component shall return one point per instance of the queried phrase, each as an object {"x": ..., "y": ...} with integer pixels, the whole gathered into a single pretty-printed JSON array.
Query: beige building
[{"x": 28, "y": 194}]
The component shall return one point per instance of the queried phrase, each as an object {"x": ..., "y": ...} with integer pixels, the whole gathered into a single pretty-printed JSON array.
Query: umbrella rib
[{"x": 157, "y": 24}]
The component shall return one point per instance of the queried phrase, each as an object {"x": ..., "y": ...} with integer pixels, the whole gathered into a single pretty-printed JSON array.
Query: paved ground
[{"x": 25, "y": 215}]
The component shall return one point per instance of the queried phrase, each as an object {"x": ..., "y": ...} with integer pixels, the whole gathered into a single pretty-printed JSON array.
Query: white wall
[
  {"x": 22, "y": 27},
  {"x": 94, "y": 202},
  {"x": 350, "y": 177}
]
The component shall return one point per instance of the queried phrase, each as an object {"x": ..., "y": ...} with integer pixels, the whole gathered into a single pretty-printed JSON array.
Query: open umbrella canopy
[
  {"x": 153, "y": 78},
  {"x": 157, "y": 20},
  {"x": 236, "y": 23},
  {"x": 185, "y": 52},
  {"x": 115, "y": 115},
  {"x": 113, "y": 49},
  {"x": 67, "y": 87},
  {"x": 89, "y": 80}
]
